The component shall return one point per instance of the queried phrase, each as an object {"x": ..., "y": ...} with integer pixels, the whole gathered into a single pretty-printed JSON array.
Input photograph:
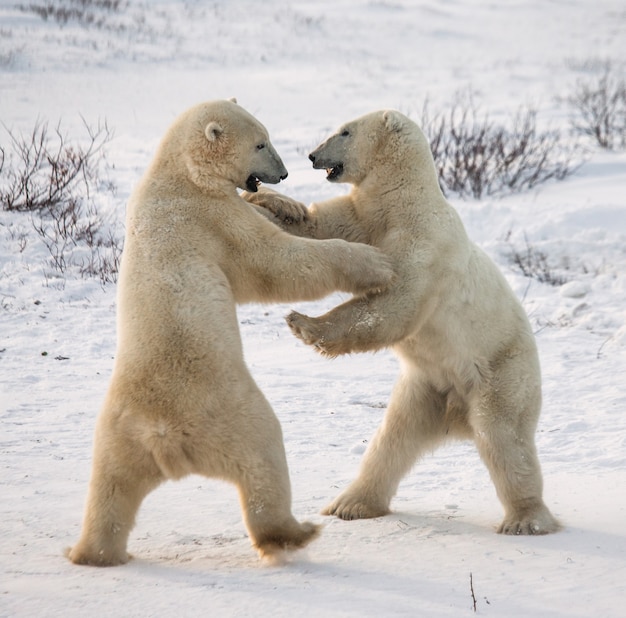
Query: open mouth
[
  {"x": 252, "y": 183},
  {"x": 332, "y": 173}
]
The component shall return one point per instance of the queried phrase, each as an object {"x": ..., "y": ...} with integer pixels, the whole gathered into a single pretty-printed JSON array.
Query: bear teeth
[{"x": 334, "y": 172}]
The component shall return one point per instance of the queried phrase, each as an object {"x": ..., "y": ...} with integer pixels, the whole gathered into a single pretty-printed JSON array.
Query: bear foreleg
[{"x": 362, "y": 324}]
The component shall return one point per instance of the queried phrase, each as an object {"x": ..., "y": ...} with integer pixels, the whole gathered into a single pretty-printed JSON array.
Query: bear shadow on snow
[{"x": 469, "y": 362}]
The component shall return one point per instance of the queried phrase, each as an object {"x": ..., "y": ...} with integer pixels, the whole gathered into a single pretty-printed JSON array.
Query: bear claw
[{"x": 301, "y": 326}]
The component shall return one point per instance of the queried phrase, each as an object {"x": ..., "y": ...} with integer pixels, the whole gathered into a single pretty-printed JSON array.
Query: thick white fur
[
  {"x": 469, "y": 362},
  {"x": 181, "y": 399}
]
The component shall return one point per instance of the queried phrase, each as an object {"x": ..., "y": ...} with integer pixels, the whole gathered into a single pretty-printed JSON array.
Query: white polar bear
[
  {"x": 469, "y": 361},
  {"x": 181, "y": 399}
]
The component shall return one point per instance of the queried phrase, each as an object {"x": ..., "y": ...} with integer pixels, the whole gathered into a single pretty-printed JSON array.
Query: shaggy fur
[
  {"x": 181, "y": 399},
  {"x": 469, "y": 361}
]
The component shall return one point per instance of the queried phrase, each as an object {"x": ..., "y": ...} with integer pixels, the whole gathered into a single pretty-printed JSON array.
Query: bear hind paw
[
  {"x": 272, "y": 545},
  {"x": 540, "y": 522},
  {"x": 354, "y": 509},
  {"x": 100, "y": 559}
]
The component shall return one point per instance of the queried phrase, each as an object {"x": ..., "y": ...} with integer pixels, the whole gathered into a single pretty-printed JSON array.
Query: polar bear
[
  {"x": 181, "y": 399},
  {"x": 470, "y": 367}
]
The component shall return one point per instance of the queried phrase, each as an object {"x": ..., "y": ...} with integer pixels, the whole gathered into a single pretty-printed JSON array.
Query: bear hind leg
[
  {"x": 123, "y": 474},
  {"x": 265, "y": 498},
  {"x": 258, "y": 468},
  {"x": 508, "y": 450},
  {"x": 413, "y": 424}
]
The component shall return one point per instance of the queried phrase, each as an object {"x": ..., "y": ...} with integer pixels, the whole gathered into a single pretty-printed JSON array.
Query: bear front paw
[
  {"x": 282, "y": 207},
  {"x": 324, "y": 336},
  {"x": 289, "y": 211},
  {"x": 303, "y": 327}
]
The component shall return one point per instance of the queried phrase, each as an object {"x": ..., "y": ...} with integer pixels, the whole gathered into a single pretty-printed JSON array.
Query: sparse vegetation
[
  {"x": 46, "y": 173},
  {"x": 476, "y": 157},
  {"x": 533, "y": 263},
  {"x": 55, "y": 181},
  {"x": 599, "y": 107},
  {"x": 85, "y": 12}
]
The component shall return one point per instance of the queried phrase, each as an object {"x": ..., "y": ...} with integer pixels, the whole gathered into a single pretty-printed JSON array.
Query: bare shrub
[
  {"x": 84, "y": 12},
  {"x": 600, "y": 109},
  {"x": 49, "y": 172},
  {"x": 55, "y": 181},
  {"x": 533, "y": 263},
  {"x": 475, "y": 156},
  {"x": 19, "y": 236},
  {"x": 103, "y": 260}
]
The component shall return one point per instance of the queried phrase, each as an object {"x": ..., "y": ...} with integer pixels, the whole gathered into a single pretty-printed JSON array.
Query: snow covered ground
[{"x": 303, "y": 68}]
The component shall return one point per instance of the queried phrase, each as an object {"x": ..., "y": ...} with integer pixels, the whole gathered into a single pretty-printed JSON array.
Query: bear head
[
  {"x": 371, "y": 142},
  {"x": 220, "y": 142}
]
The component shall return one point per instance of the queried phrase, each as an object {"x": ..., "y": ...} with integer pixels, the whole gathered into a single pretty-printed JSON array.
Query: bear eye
[
  {"x": 345, "y": 133},
  {"x": 260, "y": 146}
]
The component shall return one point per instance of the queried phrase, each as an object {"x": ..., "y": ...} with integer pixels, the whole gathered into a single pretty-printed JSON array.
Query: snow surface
[{"x": 303, "y": 68}]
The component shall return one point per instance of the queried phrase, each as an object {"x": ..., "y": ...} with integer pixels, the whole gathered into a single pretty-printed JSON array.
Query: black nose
[
  {"x": 283, "y": 177},
  {"x": 312, "y": 158}
]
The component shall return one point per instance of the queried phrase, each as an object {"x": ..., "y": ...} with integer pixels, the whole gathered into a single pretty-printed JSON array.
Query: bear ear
[
  {"x": 233, "y": 100},
  {"x": 394, "y": 121},
  {"x": 213, "y": 130}
]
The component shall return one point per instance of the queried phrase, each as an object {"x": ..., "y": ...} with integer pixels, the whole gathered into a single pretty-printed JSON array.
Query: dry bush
[
  {"x": 84, "y": 12},
  {"x": 533, "y": 263},
  {"x": 103, "y": 261},
  {"x": 599, "y": 107},
  {"x": 55, "y": 181},
  {"x": 475, "y": 156},
  {"x": 49, "y": 173}
]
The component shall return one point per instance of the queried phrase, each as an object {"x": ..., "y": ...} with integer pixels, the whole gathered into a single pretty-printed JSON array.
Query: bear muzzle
[
  {"x": 333, "y": 169},
  {"x": 254, "y": 180}
]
